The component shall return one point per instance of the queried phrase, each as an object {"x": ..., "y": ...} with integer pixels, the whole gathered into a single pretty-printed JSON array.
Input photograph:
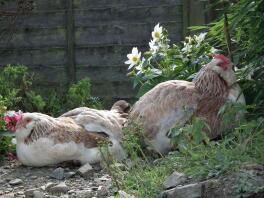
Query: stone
[
  {"x": 16, "y": 181},
  {"x": 27, "y": 174},
  {"x": 69, "y": 174},
  {"x": 64, "y": 196},
  {"x": 38, "y": 194},
  {"x": 60, "y": 188},
  {"x": 49, "y": 185},
  {"x": 97, "y": 167},
  {"x": 101, "y": 191},
  {"x": 84, "y": 193},
  {"x": 20, "y": 193},
  {"x": 174, "y": 180},
  {"x": 34, "y": 177},
  {"x": 186, "y": 191},
  {"x": 86, "y": 170},
  {"x": 29, "y": 192},
  {"x": 71, "y": 191},
  {"x": 9, "y": 195},
  {"x": 58, "y": 173},
  {"x": 1, "y": 192},
  {"x": 123, "y": 194}
]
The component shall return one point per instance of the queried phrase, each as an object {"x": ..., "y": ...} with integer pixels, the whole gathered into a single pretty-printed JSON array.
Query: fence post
[
  {"x": 71, "y": 67},
  {"x": 193, "y": 14},
  {"x": 186, "y": 17}
]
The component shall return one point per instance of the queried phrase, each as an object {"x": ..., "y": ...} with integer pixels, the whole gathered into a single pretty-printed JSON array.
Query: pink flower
[
  {"x": 11, "y": 156},
  {"x": 12, "y": 118}
]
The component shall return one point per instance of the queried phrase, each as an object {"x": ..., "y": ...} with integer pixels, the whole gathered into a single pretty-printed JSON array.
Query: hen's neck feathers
[
  {"x": 210, "y": 83},
  {"x": 41, "y": 128}
]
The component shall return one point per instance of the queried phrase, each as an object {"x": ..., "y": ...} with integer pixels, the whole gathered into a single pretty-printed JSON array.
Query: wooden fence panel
[{"x": 65, "y": 40}]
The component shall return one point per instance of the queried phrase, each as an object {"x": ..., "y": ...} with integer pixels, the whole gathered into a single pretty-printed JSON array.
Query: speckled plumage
[
  {"x": 44, "y": 140},
  {"x": 173, "y": 103}
]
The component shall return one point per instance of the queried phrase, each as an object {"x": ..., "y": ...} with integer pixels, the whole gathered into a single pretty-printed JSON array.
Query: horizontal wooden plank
[
  {"x": 103, "y": 73},
  {"x": 38, "y": 37},
  {"x": 102, "y": 56},
  {"x": 39, "y": 19},
  {"x": 38, "y": 5},
  {"x": 47, "y": 76},
  {"x": 118, "y": 89},
  {"x": 123, "y": 3},
  {"x": 38, "y": 57},
  {"x": 128, "y": 15},
  {"x": 122, "y": 34}
]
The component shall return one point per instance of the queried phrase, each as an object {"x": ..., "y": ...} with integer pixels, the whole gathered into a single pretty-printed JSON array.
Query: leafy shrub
[
  {"x": 164, "y": 62},
  {"x": 17, "y": 91},
  {"x": 79, "y": 94}
]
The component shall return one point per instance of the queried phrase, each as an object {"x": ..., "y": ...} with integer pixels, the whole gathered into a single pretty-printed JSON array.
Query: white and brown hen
[
  {"x": 43, "y": 140},
  {"x": 173, "y": 103}
]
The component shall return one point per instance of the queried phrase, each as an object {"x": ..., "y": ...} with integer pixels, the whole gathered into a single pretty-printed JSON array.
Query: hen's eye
[{"x": 28, "y": 120}]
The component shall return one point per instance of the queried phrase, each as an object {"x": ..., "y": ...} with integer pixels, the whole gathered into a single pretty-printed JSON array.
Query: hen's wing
[
  {"x": 166, "y": 105},
  {"x": 101, "y": 121},
  {"x": 75, "y": 112}
]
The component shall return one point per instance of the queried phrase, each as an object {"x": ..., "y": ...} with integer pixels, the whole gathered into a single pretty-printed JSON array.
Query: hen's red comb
[{"x": 222, "y": 57}]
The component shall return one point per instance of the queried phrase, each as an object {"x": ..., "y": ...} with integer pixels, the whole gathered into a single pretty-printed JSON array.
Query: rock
[
  {"x": 60, "y": 188},
  {"x": 38, "y": 194},
  {"x": 29, "y": 193},
  {"x": 84, "y": 193},
  {"x": 58, "y": 173},
  {"x": 16, "y": 181},
  {"x": 174, "y": 180},
  {"x": 86, "y": 170},
  {"x": 49, "y": 185},
  {"x": 20, "y": 193},
  {"x": 101, "y": 191},
  {"x": 1, "y": 192},
  {"x": 97, "y": 167},
  {"x": 64, "y": 196},
  {"x": 33, "y": 177},
  {"x": 69, "y": 174},
  {"x": 187, "y": 191},
  {"x": 123, "y": 194},
  {"x": 27, "y": 174},
  {"x": 9, "y": 195}
]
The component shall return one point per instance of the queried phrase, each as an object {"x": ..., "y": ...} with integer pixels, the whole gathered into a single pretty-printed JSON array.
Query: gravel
[{"x": 36, "y": 182}]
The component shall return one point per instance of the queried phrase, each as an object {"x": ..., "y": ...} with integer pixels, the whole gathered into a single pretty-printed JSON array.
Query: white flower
[
  {"x": 153, "y": 45},
  {"x": 157, "y": 33},
  {"x": 187, "y": 47},
  {"x": 14, "y": 141},
  {"x": 200, "y": 38},
  {"x": 133, "y": 58},
  {"x": 213, "y": 50}
]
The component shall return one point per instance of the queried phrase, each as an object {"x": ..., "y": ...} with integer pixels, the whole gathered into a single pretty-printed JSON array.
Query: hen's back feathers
[{"x": 161, "y": 107}]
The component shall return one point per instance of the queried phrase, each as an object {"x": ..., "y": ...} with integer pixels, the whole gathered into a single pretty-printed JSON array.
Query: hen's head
[
  {"x": 27, "y": 124},
  {"x": 223, "y": 62},
  {"x": 223, "y": 66},
  {"x": 122, "y": 107}
]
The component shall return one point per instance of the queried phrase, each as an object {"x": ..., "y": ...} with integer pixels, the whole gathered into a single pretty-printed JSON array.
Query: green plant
[
  {"x": 17, "y": 92},
  {"x": 79, "y": 94},
  {"x": 247, "y": 185},
  {"x": 164, "y": 62}
]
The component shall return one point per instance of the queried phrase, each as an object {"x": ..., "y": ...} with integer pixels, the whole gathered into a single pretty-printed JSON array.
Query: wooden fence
[{"x": 62, "y": 41}]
